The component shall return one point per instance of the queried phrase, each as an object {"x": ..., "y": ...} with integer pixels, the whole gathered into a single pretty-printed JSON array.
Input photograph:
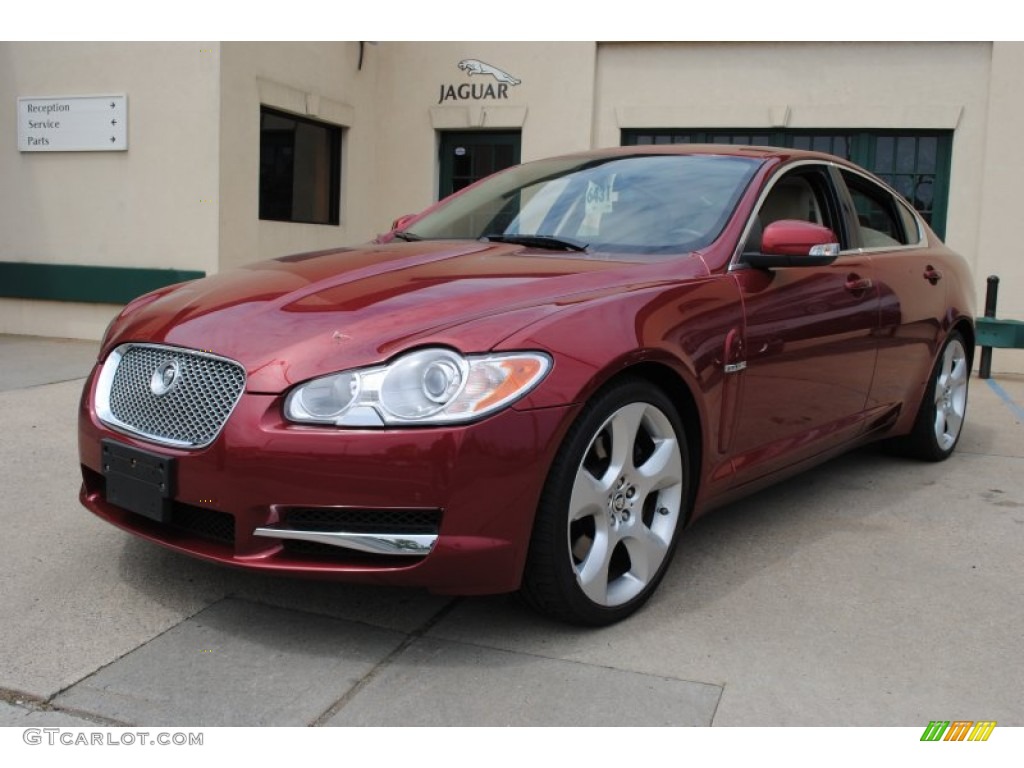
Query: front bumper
[{"x": 479, "y": 483}]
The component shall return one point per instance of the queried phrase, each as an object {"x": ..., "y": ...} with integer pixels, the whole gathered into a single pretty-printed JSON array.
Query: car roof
[{"x": 729, "y": 150}]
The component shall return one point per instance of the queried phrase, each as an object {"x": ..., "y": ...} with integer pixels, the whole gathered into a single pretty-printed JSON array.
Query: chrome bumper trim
[{"x": 407, "y": 545}]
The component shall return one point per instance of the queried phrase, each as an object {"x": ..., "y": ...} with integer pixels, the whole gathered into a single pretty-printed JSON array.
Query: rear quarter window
[{"x": 880, "y": 216}]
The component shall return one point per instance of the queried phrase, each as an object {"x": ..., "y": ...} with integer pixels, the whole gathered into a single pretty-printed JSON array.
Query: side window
[
  {"x": 804, "y": 194},
  {"x": 878, "y": 213}
]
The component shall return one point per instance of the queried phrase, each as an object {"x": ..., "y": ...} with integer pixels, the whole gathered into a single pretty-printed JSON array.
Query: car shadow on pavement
[{"x": 188, "y": 584}]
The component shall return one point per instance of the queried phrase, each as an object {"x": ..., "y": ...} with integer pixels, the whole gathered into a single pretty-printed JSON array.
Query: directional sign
[{"x": 73, "y": 123}]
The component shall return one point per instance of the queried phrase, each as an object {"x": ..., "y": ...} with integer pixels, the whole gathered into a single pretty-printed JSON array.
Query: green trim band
[
  {"x": 72, "y": 282},
  {"x": 1002, "y": 334}
]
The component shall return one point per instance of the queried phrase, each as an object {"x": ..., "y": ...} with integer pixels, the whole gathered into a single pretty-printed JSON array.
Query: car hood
[{"x": 289, "y": 319}]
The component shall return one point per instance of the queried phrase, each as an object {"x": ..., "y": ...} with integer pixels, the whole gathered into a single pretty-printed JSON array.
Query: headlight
[
  {"x": 327, "y": 398},
  {"x": 427, "y": 386},
  {"x": 421, "y": 384}
]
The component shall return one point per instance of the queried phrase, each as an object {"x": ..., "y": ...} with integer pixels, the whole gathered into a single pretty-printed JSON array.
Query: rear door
[{"x": 912, "y": 294}]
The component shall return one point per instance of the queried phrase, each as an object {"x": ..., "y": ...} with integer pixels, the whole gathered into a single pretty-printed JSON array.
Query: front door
[
  {"x": 468, "y": 156},
  {"x": 811, "y": 339}
]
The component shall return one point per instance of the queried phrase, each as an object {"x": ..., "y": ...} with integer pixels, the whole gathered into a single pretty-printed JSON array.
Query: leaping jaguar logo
[
  {"x": 165, "y": 377},
  {"x": 476, "y": 67},
  {"x": 481, "y": 90}
]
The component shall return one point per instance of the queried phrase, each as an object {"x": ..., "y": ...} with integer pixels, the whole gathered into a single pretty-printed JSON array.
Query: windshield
[{"x": 641, "y": 204}]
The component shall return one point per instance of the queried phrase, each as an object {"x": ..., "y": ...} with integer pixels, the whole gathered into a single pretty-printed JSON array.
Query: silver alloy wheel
[
  {"x": 951, "y": 395},
  {"x": 625, "y": 504}
]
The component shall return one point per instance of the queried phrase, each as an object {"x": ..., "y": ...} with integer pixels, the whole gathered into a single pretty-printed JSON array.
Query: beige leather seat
[{"x": 790, "y": 199}]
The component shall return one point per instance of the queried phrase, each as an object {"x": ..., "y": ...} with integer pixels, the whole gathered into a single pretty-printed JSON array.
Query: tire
[
  {"x": 611, "y": 509},
  {"x": 940, "y": 417}
]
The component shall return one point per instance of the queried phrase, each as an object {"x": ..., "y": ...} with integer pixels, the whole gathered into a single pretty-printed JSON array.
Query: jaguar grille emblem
[{"x": 165, "y": 377}]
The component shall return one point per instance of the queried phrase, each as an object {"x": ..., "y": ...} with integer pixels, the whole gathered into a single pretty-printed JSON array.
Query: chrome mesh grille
[{"x": 190, "y": 414}]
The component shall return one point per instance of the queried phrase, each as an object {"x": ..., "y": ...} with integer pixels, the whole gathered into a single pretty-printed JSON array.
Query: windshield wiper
[
  {"x": 409, "y": 237},
  {"x": 539, "y": 241}
]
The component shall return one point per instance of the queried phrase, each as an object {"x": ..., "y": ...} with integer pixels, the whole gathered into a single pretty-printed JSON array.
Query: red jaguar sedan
[{"x": 539, "y": 382}]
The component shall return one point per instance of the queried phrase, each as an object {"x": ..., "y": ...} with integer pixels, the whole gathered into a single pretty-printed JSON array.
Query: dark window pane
[
  {"x": 300, "y": 169},
  {"x": 462, "y": 165},
  {"x": 905, "y": 186},
  {"x": 906, "y": 151},
  {"x": 503, "y": 158},
  {"x": 924, "y": 195},
  {"x": 884, "y": 148},
  {"x": 927, "y": 153},
  {"x": 482, "y": 161},
  {"x": 277, "y": 149}
]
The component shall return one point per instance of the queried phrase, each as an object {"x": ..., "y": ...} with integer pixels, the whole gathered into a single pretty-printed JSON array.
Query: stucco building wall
[
  {"x": 152, "y": 205},
  {"x": 185, "y": 194}
]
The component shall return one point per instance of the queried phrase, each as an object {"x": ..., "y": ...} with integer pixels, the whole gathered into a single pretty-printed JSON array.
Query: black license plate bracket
[{"x": 139, "y": 481}]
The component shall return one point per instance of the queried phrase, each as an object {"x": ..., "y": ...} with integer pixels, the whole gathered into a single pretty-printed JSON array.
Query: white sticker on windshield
[
  {"x": 601, "y": 196},
  {"x": 600, "y": 200}
]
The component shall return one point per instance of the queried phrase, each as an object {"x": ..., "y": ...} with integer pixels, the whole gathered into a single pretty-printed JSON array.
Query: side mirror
[{"x": 793, "y": 243}]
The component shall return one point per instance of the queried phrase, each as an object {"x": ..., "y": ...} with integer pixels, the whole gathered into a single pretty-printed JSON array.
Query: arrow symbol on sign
[
  {"x": 111, "y": 105},
  {"x": 113, "y": 122},
  {"x": 112, "y": 139}
]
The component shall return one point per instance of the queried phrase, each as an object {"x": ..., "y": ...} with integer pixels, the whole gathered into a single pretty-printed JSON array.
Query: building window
[
  {"x": 468, "y": 156},
  {"x": 300, "y": 169},
  {"x": 914, "y": 163}
]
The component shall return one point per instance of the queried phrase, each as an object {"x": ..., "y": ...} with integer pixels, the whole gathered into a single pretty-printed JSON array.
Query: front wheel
[{"x": 612, "y": 508}]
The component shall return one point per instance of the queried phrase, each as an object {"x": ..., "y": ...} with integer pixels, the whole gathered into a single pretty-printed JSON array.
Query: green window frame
[{"x": 914, "y": 163}]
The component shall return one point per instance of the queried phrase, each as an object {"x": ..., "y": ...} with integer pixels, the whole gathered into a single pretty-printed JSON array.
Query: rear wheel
[
  {"x": 612, "y": 508},
  {"x": 940, "y": 417}
]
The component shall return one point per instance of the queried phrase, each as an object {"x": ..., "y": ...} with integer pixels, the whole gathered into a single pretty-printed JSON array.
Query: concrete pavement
[{"x": 870, "y": 591}]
